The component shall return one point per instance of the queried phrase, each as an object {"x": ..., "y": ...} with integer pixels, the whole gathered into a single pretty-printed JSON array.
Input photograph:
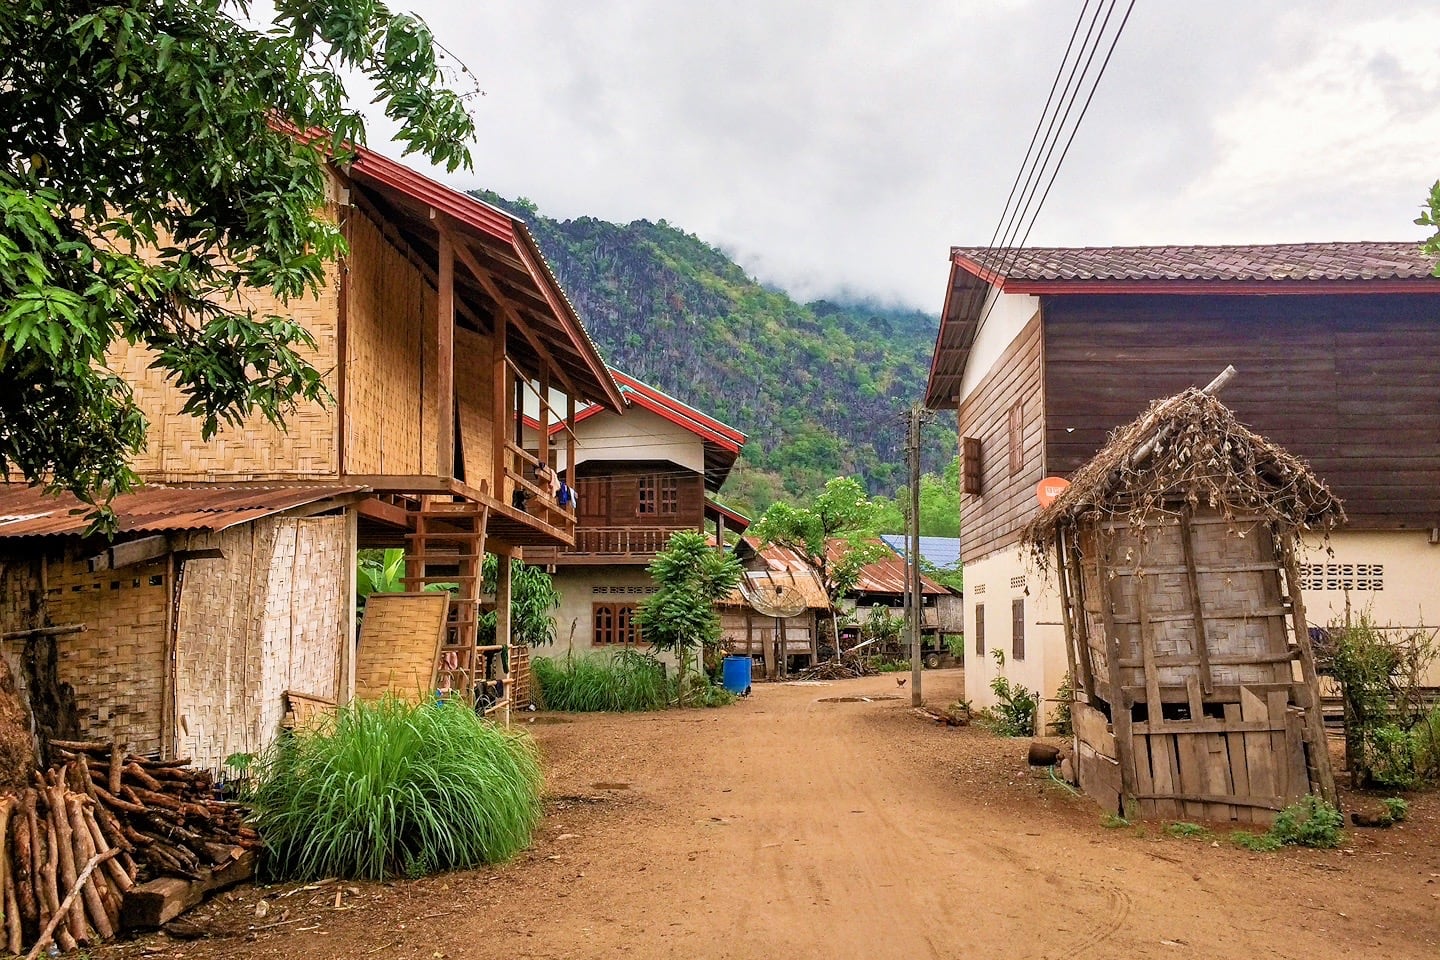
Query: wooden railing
[
  {"x": 520, "y": 475},
  {"x": 615, "y": 542}
]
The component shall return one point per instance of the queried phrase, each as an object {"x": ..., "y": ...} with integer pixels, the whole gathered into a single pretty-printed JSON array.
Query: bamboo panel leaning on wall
[{"x": 400, "y": 640}]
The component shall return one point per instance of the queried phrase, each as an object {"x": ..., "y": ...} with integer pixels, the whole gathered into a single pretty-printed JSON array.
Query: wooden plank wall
[
  {"x": 616, "y": 504},
  {"x": 993, "y": 519},
  {"x": 1347, "y": 382}
]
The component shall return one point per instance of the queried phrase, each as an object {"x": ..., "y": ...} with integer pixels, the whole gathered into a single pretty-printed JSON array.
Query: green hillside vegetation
[{"x": 821, "y": 388}]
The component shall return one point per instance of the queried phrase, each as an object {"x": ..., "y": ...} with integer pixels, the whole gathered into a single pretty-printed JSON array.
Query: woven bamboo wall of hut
[
  {"x": 1183, "y": 632},
  {"x": 117, "y": 666},
  {"x": 306, "y": 448},
  {"x": 270, "y": 616},
  {"x": 390, "y": 357},
  {"x": 475, "y": 392}
]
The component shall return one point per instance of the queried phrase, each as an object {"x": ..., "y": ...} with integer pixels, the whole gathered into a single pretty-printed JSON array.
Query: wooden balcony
[{"x": 636, "y": 545}]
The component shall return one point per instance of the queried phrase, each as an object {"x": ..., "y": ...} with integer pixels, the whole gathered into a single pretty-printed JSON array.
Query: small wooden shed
[{"x": 1196, "y": 691}]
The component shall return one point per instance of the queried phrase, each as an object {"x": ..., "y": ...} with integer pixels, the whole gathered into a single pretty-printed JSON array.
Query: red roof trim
[
  {"x": 679, "y": 412},
  {"x": 369, "y": 165},
  {"x": 741, "y": 521},
  {"x": 1239, "y": 288},
  {"x": 980, "y": 270}
]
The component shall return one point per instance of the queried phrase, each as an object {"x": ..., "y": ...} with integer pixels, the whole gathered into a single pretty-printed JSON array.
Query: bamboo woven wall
[
  {"x": 305, "y": 448},
  {"x": 475, "y": 392},
  {"x": 268, "y": 617},
  {"x": 400, "y": 640},
  {"x": 1239, "y": 586},
  {"x": 388, "y": 310},
  {"x": 117, "y": 666}
]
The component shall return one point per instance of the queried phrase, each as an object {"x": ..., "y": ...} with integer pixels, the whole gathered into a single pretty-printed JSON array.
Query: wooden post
[
  {"x": 1066, "y": 615},
  {"x": 346, "y": 684},
  {"x": 1314, "y": 722},
  {"x": 445, "y": 385},
  {"x": 1076, "y": 569},
  {"x": 543, "y": 454},
  {"x": 499, "y": 383},
  {"x": 1202, "y": 644},
  {"x": 502, "y": 620},
  {"x": 1119, "y": 703},
  {"x": 570, "y": 471}
]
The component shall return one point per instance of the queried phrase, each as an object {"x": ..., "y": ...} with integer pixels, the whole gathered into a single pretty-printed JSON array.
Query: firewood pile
[
  {"x": 847, "y": 668},
  {"x": 93, "y": 827}
]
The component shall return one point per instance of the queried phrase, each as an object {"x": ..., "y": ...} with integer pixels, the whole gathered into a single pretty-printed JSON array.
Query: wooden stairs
[{"x": 446, "y": 551}]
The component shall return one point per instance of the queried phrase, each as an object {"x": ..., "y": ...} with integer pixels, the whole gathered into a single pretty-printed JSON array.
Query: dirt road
[{"x": 788, "y": 826}]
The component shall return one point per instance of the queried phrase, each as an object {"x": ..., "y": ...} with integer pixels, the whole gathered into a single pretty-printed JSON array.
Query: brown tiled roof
[
  {"x": 30, "y": 512},
  {"x": 1248, "y": 262}
]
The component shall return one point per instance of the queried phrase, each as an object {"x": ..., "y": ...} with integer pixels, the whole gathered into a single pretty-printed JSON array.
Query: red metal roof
[
  {"x": 27, "y": 511},
  {"x": 737, "y": 522}
]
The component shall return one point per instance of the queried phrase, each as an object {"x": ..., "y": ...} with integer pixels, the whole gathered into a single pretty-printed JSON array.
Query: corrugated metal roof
[
  {"x": 886, "y": 575},
  {"x": 940, "y": 552},
  {"x": 778, "y": 566},
  {"x": 27, "y": 511}
]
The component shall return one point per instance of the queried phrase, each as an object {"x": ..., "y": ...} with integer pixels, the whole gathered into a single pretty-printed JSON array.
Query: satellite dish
[{"x": 773, "y": 599}]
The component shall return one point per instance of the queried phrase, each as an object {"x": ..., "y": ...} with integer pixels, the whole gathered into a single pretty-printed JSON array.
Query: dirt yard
[{"x": 789, "y": 826}]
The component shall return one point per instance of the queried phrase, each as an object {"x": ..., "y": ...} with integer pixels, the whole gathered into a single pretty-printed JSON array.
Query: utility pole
[{"x": 912, "y": 572}]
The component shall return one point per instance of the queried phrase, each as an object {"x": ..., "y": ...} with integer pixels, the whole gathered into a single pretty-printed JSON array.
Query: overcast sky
[{"x": 841, "y": 148}]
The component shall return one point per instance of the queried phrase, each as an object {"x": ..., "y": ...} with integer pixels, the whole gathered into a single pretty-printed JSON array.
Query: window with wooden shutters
[
  {"x": 1017, "y": 628},
  {"x": 970, "y": 465},
  {"x": 615, "y": 623},
  {"x": 980, "y": 629},
  {"x": 669, "y": 496},
  {"x": 1015, "y": 427},
  {"x": 645, "y": 495}
]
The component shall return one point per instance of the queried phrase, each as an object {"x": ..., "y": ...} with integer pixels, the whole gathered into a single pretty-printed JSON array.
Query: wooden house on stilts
[{"x": 1175, "y": 549}]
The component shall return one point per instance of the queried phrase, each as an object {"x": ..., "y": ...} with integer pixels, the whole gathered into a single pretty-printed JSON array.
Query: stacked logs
[{"x": 94, "y": 825}]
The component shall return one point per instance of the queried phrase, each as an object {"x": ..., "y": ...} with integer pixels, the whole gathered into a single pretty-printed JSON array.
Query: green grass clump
[
  {"x": 1185, "y": 830},
  {"x": 1113, "y": 822},
  {"x": 387, "y": 788},
  {"x": 624, "y": 681},
  {"x": 1257, "y": 842}
]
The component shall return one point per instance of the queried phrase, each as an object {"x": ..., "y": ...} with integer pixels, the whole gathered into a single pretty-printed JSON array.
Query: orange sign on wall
[{"x": 1048, "y": 489}]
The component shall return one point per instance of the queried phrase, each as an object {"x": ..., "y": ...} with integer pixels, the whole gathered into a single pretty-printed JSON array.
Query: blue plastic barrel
[{"x": 735, "y": 675}]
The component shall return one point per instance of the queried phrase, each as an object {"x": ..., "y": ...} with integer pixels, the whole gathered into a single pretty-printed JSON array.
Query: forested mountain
[{"x": 820, "y": 388}]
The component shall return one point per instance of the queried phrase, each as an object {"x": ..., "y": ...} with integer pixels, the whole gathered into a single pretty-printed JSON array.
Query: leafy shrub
[
  {"x": 387, "y": 788},
  {"x": 1396, "y": 808},
  {"x": 1014, "y": 713},
  {"x": 1062, "y": 725},
  {"x": 1113, "y": 822},
  {"x": 1309, "y": 822},
  {"x": 1186, "y": 830},
  {"x": 1390, "y": 756},
  {"x": 710, "y": 695},
  {"x": 625, "y": 681},
  {"x": 886, "y": 665}
]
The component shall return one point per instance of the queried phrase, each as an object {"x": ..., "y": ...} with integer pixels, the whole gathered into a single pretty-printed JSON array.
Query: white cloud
[{"x": 846, "y": 146}]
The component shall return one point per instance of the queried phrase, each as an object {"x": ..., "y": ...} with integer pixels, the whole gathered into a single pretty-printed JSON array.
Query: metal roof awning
[{"x": 27, "y": 511}]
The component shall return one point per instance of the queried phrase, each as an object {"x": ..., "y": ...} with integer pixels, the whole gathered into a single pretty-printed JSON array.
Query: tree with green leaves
[
  {"x": 150, "y": 171},
  {"x": 939, "y": 505},
  {"x": 1430, "y": 217},
  {"x": 835, "y": 534},
  {"x": 680, "y": 617},
  {"x": 533, "y": 600}
]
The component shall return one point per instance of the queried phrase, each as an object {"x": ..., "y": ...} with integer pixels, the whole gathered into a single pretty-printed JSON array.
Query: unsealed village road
[{"x": 787, "y": 826}]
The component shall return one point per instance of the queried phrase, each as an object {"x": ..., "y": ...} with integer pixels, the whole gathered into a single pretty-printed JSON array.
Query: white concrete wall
[
  {"x": 1408, "y": 578},
  {"x": 580, "y": 589},
  {"x": 639, "y": 435},
  {"x": 995, "y": 582},
  {"x": 1009, "y": 313}
]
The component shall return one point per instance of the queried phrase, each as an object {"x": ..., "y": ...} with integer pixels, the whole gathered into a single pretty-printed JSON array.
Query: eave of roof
[
  {"x": 1297, "y": 269},
  {"x": 488, "y": 223},
  {"x": 27, "y": 511}
]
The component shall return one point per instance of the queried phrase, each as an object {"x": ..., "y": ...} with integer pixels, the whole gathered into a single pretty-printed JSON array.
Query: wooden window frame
[
  {"x": 669, "y": 496},
  {"x": 971, "y": 476},
  {"x": 979, "y": 629},
  {"x": 1017, "y": 629},
  {"x": 614, "y": 624},
  {"x": 646, "y": 501}
]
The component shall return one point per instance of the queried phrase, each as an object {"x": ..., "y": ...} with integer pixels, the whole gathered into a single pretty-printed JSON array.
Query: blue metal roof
[{"x": 941, "y": 552}]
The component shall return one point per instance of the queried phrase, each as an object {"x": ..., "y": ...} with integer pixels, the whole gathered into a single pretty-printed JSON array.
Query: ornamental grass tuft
[
  {"x": 625, "y": 681},
  {"x": 389, "y": 788}
]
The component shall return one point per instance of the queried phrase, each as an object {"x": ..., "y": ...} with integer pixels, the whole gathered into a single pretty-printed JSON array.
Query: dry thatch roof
[{"x": 1189, "y": 450}]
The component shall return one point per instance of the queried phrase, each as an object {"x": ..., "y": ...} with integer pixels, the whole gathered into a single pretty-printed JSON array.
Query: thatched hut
[{"x": 1175, "y": 547}]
